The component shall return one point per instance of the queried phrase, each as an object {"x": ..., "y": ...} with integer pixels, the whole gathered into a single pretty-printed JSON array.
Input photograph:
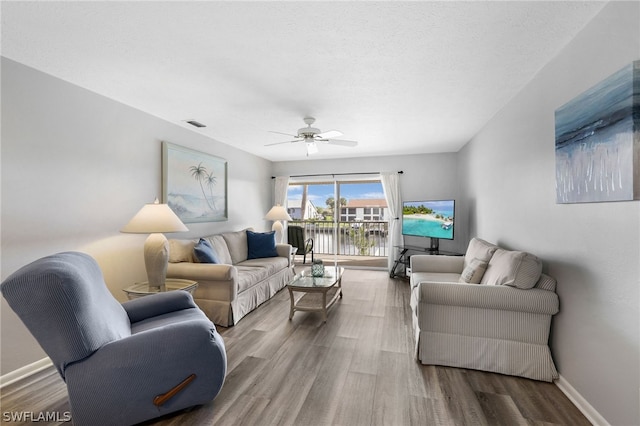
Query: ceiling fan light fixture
[{"x": 312, "y": 148}]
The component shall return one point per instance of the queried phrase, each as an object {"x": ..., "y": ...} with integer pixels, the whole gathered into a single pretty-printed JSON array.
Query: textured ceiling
[{"x": 399, "y": 77}]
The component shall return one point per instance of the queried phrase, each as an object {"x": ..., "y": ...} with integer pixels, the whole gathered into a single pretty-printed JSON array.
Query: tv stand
[
  {"x": 404, "y": 257},
  {"x": 435, "y": 244}
]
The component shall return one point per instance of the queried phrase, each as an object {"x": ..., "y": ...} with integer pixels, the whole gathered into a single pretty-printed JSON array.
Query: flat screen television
[{"x": 429, "y": 218}]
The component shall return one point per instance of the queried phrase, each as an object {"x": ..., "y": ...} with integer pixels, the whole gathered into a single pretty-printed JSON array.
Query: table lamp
[
  {"x": 154, "y": 219},
  {"x": 277, "y": 213}
]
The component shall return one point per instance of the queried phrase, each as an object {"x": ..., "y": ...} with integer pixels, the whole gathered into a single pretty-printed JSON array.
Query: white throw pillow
[
  {"x": 479, "y": 249},
  {"x": 513, "y": 268},
  {"x": 472, "y": 274}
]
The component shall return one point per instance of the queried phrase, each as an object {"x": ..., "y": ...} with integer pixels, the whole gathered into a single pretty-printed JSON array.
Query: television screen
[{"x": 428, "y": 218}]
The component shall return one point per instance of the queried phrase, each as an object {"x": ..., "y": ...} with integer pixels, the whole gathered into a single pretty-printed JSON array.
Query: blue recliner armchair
[{"x": 122, "y": 363}]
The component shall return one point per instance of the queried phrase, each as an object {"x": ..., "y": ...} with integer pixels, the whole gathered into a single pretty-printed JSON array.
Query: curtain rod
[{"x": 338, "y": 174}]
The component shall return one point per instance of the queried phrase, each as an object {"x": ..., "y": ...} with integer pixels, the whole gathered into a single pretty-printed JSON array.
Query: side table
[{"x": 142, "y": 289}]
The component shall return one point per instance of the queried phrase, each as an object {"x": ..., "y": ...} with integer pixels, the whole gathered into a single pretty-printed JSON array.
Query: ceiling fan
[{"x": 311, "y": 136}]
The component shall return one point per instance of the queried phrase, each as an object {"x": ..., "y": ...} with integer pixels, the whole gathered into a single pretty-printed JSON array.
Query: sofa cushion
[
  {"x": 248, "y": 276},
  {"x": 438, "y": 277},
  {"x": 204, "y": 252},
  {"x": 271, "y": 264},
  {"x": 237, "y": 245},
  {"x": 220, "y": 246},
  {"x": 473, "y": 272},
  {"x": 261, "y": 244},
  {"x": 479, "y": 249},
  {"x": 513, "y": 268},
  {"x": 181, "y": 251}
]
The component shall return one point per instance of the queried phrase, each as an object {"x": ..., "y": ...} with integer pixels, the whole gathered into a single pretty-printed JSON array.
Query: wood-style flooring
[{"x": 357, "y": 369}]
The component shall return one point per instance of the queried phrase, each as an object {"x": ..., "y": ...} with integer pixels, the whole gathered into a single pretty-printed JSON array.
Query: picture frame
[
  {"x": 598, "y": 141},
  {"x": 194, "y": 184}
]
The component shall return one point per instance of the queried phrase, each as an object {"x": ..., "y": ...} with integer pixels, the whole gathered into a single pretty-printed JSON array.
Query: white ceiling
[{"x": 399, "y": 77}]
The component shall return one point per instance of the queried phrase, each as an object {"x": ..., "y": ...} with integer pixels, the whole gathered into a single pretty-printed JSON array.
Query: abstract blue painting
[{"x": 598, "y": 141}]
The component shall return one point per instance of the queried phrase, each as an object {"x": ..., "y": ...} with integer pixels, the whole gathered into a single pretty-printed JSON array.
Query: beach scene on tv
[{"x": 428, "y": 218}]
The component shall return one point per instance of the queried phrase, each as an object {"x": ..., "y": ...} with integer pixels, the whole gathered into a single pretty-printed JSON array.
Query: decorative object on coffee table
[
  {"x": 171, "y": 284},
  {"x": 320, "y": 293},
  {"x": 317, "y": 269},
  {"x": 155, "y": 219}
]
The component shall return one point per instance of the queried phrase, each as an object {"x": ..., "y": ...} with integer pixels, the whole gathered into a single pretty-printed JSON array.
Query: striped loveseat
[{"x": 488, "y": 310}]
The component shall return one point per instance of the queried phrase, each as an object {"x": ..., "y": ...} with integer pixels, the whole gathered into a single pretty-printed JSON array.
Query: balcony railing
[{"x": 357, "y": 238}]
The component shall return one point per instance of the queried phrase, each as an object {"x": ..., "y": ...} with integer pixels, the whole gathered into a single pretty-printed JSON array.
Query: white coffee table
[
  {"x": 320, "y": 293},
  {"x": 142, "y": 288}
]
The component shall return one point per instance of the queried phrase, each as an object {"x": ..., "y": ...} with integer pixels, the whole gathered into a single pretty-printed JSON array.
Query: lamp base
[
  {"x": 277, "y": 226},
  {"x": 156, "y": 257}
]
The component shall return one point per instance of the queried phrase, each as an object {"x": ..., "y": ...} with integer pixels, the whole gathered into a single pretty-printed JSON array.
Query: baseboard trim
[
  {"x": 587, "y": 409},
  {"x": 24, "y": 372}
]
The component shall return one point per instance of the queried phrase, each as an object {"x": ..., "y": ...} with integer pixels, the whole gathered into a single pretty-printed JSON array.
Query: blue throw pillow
[
  {"x": 204, "y": 252},
  {"x": 261, "y": 244}
]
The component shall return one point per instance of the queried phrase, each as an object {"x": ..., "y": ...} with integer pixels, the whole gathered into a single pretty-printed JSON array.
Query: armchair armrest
[
  {"x": 431, "y": 263},
  {"x": 157, "y": 304},
  {"x": 489, "y": 297}
]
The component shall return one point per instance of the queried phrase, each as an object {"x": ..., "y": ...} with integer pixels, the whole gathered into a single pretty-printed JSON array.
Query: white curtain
[
  {"x": 391, "y": 187},
  {"x": 280, "y": 189}
]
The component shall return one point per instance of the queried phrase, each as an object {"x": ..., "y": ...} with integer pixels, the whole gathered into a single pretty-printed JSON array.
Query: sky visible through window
[{"x": 318, "y": 193}]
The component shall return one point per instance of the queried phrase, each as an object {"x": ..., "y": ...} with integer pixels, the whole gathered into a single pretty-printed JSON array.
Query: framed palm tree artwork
[{"x": 194, "y": 184}]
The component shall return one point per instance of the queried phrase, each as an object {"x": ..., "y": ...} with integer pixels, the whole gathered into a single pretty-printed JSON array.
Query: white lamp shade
[
  {"x": 154, "y": 217},
  {"x": 277, "y": 212}
]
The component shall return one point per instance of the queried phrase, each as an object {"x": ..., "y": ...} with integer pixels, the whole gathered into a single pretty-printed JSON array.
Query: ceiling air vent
[{"x": 195, "y": 123}]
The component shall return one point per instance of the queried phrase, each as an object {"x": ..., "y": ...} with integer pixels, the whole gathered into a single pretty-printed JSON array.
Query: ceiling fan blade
[
  {"x": 329, "y": 134},
  {"x": 280, "y": 143},
  {"x": 342, "y": 142},
  {"x": 286, "y": 134}
]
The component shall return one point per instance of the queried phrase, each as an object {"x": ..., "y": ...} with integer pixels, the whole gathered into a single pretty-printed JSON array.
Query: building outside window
[
  {"x": 369, "y": 209},
  {"x": 348, "y": 214},
  {"x": 294, "y": 208}
]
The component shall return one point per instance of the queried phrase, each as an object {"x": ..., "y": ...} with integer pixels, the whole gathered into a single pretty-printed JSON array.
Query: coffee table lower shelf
[{"x": 315, "y": 299}]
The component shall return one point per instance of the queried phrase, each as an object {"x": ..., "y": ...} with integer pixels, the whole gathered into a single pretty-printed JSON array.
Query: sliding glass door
[{"x": 345, "y": 218}]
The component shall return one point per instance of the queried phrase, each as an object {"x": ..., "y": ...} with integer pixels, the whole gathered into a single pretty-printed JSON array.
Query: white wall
[
  {"x": 76, "y": 167},
  {"x": 507, "y": 173},
  {"x": 426, "y": 176}
]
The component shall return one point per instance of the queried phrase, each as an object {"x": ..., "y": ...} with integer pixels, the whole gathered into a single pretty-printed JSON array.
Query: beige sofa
[
  {"x": 229, "y": 290},
  {"x": 489, "y": 310}
]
